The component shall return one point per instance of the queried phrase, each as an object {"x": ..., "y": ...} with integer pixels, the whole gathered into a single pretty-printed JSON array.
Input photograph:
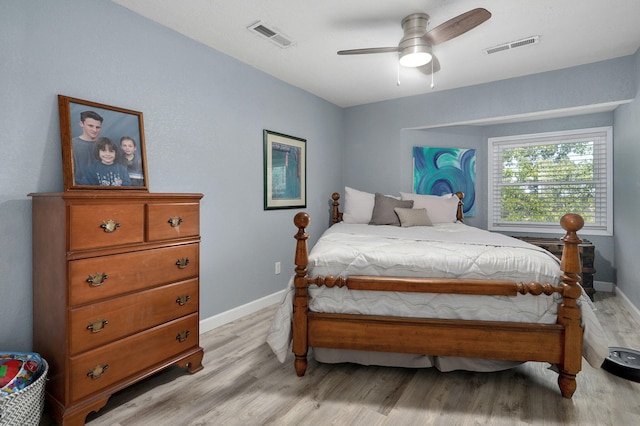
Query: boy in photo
[
  {"x": 82, "y": 146},
  {"x": 107, "y": 170},
  {"x": 132, "y": 160}
]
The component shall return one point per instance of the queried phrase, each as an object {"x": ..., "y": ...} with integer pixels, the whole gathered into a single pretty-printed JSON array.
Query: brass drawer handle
[
  {"x": 97, "y": 326},
  {"x": 97, "y": 371},
  {"x": 182, "y": 300},
  {"x": 182, "y": 336},
  {"x": 97, "y": 279},
  {"x": 175, "y": 221},
  {"x": 110, "y": 225},
  {"x": 182, "y": 262}
]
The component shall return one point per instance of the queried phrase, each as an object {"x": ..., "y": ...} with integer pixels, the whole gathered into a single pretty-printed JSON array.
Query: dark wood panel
[{"x": 586, "y": 250}]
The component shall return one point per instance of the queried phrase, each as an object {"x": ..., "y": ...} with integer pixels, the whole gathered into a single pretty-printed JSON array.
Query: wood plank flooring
[{"x": 243, "y": 384}]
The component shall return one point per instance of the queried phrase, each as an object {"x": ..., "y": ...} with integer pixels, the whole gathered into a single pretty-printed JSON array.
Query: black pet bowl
[{"x": 623, "y": 362}]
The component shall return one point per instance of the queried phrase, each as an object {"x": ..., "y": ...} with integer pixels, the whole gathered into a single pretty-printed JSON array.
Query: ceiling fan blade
[
  {"x": 369, "y": 50},
  {"x": 432, "y": 67},
  {"x": 457, "y": 26}
]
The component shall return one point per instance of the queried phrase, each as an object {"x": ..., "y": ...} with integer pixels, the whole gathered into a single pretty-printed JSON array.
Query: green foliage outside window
[{"x": 539, "y": 181}]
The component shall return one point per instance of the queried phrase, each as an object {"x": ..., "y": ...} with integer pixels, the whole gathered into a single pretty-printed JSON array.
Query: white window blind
[{"x": 535, "y": 179}]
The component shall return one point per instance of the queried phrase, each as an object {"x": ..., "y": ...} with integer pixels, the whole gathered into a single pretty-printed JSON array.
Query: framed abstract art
[
  {"x": 285, "y": 171},
  {"x": 438, "y": 171}
]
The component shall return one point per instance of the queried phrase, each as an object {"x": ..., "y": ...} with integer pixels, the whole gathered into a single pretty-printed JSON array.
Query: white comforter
[{"x": 444, "y": 250}]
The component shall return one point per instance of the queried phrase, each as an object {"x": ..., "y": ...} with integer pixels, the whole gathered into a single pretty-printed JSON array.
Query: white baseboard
[
  {"x": 226, "y": 317},
  {"x": 633, "y": 310},
  {"x": 603, "y": 286}
]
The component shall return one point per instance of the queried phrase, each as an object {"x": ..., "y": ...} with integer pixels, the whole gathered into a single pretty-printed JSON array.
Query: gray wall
[
  {"x": 204, "y": 114},
  {"x": 604, "y": 246},
  {"x": 627, "y": 193},
  {"x": 373, "y": 132},
  {"x": 447, "y": 137},
  {"x": 380, "y": 136},
  {"x": 476, "y": 137}
]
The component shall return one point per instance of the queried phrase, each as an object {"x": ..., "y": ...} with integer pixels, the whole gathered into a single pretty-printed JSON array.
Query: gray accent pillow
[
  {"x": 383, "y": 213},
  {"x": 413, "y": 217}
]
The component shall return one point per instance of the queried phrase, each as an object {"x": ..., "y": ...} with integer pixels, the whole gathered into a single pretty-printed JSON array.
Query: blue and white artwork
[{"x": 438, "y": 171}]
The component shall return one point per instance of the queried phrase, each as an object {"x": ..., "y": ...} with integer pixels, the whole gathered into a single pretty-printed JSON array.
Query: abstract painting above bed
[{"x": 438, "y": 171}]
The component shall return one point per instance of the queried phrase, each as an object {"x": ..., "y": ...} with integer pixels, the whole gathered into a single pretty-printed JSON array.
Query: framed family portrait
[
  {"x": 285, "y": 171},
  {"x": 102, "y": 146}
]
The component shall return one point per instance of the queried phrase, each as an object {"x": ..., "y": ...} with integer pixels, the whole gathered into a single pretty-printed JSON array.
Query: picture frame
[
  {"x": 285, "y": 171},
  {"x": 96, "y": 141},
  {"x": 439, "y": 171}
]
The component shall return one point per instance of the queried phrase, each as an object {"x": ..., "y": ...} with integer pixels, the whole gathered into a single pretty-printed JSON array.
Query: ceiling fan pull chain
[
  {"x": 398, "y": 82},
  {"x": 432, "y": 84}
]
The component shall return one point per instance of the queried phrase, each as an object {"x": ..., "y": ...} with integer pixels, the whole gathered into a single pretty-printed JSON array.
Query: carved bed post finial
[
  {"x": 569, "y": 311},
  {"x": 459, "y": 212},
  {"x": 300, "y": 299},
  {"x": 336, "y": 216}
]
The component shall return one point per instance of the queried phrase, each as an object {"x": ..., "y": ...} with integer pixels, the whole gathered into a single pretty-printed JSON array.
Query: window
[{"x": 535, "y": 179}]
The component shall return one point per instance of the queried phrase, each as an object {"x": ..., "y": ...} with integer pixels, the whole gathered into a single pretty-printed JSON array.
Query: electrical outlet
[{"x": 277, "y": 268}]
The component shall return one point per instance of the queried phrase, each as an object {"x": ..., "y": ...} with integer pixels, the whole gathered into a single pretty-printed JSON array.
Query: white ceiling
[{"x": 572, "y": 32}]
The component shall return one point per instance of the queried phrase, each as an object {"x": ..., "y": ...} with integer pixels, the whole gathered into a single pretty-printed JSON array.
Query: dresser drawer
[
  {"x": 129, "y": 272},
  {"x": 172, "y": 220},
  {"x": 95, "y": 325},
  {"x": 99, "y": 368},
  {"x": 98, "y": 225}
]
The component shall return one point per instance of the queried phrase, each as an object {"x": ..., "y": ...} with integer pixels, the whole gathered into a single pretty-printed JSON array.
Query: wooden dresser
[
  {"x": 115, "y": 292},
  {"x": 587, "y": 257}
]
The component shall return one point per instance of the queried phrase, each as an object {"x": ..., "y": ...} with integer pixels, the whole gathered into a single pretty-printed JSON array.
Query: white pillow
[
  {"x": 441, "y": 209},
  {"x": 358, "y": 206}
]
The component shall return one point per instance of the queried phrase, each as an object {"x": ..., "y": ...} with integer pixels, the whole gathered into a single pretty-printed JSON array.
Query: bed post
[
  {"x": 569, "y": 311},
  {"x": 459, "y": 211},
  {"x": 300, "y": 299},
  {"x": 336, "y": 216}
]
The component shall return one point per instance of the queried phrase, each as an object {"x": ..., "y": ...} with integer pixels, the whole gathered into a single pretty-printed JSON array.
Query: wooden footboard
[{"x": 559, "y": 344}]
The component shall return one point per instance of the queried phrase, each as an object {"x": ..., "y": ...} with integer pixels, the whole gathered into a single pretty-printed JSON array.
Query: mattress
[{"x": 448, "y": 250}]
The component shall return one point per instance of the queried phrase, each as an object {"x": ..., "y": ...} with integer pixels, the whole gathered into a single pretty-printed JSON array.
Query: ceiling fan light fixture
[{"x": 415, "y": 56}]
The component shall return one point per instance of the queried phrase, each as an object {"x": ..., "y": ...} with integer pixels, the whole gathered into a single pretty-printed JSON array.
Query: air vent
[
  {"x": 512, "y": 45},
  {"x": 271, "y": 33}
]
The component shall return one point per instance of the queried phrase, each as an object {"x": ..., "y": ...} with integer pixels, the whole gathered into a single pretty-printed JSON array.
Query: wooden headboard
[{"x": 336, "y": 214}]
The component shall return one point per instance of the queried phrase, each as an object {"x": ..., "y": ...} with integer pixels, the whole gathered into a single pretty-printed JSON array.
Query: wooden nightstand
[{"x": 587, "y": 256}]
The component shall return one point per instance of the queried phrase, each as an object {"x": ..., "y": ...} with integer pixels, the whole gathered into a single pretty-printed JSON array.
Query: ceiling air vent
[
  {"x": 512, "y": 45},
  {"x": 272, "y": 34}
]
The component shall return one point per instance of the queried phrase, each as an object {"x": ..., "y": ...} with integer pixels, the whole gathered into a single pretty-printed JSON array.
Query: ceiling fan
[{"x": 415, "y": 46}]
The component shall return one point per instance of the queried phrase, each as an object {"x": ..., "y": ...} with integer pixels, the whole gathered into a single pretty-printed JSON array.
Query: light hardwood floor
[{"x": 243, "y": 384}]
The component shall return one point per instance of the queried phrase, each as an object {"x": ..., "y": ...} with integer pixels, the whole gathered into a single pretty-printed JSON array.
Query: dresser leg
[
  {"x": 193, "y": 362},
  {"x": 75, "y": 416}
]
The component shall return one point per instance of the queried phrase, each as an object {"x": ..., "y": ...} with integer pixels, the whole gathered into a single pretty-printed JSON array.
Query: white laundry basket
[{"x": 25, "y": 407}]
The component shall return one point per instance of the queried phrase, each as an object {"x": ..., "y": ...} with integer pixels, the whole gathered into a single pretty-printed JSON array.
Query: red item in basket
[
  {"x": 9, "y": 369},
  {"x": 28, "y": 366}
]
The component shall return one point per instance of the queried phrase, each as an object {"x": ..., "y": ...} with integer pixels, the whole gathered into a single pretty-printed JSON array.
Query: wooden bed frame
[{"x": 559, "y": 344}]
